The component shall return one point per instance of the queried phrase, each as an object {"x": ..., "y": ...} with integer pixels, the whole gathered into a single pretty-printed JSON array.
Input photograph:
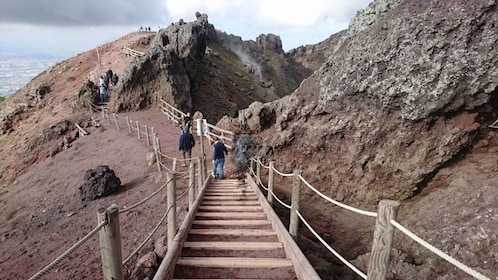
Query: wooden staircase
[{"x": 232, "y": 237}]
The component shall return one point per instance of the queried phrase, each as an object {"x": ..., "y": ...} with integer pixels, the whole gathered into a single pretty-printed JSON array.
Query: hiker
[
  {"x": 106, "y": 82},
  {"x": 219, "y": 152},
  {"x": 109, "y": 75},
  {"x": 115, "y": 79},
  {"x": 101, "y": 81},
  {"x": 187, "y": 122},
  {"x": 187, "y": 142},
  {"x": 103, "y": 93}
]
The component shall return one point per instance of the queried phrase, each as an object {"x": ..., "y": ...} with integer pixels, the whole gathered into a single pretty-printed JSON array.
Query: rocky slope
[
  {"x": 199, "y": 68},
  {"x": 402, "y": 102}
]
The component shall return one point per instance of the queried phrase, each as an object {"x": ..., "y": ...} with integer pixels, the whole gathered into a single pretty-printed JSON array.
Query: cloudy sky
[{"x": 78, "y": 25}]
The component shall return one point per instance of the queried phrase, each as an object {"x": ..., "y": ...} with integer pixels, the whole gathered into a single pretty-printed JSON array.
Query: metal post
[
  {"x": 191, "y": 185},
  {"x": 171, "y": 197},
  {"x": 296, "y": 191},
  {"x": 110, "y": 243},
  {"x": 383, "y": 236},
  {"x": 269, "y": 196}
]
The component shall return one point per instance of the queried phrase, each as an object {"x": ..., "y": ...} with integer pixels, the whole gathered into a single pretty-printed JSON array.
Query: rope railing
[
  {"x": 148, "y": 237},
  {"x": 126, "y": 209},
  {"x": 378, "y": 254},
  {"x": 341, "y": 258},
  {"x": 61, "y": 257},
  {"x": 438, "y": 252},
  {"x": 350, "y": 208}
]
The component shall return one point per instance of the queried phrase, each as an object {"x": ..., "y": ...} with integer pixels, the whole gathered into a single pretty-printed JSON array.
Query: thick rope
[
  {"x": 283, "y": 174},
  {"x": 342, "y": 259},
  {"x": 148, "y": 237},
  {"x": 440, "y": 253},
  {"x": 359, "y": 211},
  {"x": 124, "y": 210},
  {"x": 272, "y": 194},
  {"x": 67, "y": 252}
]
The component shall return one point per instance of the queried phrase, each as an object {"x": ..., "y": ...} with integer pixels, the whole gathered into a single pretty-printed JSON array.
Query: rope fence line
[
  {"x": 148, "y": 237},
  {"x": 438, "y": 252},
  {"x": 341, "y": 258},
  {"x": 104, "y": 219},
  {"x": 388, "y": 213},
  {"x": 61, "y": 257}
]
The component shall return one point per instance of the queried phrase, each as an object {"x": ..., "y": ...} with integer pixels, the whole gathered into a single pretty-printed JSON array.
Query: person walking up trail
[
  {"x": 219, "y": 152},
  {"x": 187, "y": 142}
]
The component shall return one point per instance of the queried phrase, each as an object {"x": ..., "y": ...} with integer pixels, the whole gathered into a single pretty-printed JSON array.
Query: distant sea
[{"x": 20, "y": 66}]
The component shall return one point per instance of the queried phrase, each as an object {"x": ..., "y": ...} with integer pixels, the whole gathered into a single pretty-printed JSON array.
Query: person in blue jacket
[
  {"x": 187, "y": 142},
  {"x": 219, "y": 152}
]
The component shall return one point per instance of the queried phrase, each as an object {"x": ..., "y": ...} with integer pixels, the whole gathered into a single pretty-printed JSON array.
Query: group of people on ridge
[
  {"x": 104, "y": 84},
  {"x": 187, "y": 142}
]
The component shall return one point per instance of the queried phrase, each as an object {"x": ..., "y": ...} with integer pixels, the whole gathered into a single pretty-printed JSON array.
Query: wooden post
[
  {"x": 157, "y": 149},
  {"x": 128, "y": 123},
  {"x": 138, "y": 130},
  {"x": 201, "y": 182},
  {"x": 175, "y": 163},
  {"x": 147, "y": 134},
  {"x": 115, "y": 120},
  {"x": 296, "y": 192},
  {"x": 108, "y": 118},
  {"x": 269, "y": 196},
  {"x": 171, "y": 197},
  {"x": 258, "y": 171},
  {"x": 383, "y": 236},
  {"x": 251, "y": 165},
  {"x": 110, "y": 243},
  {"x": 102, "y": 110},
  {"x": 191, "y": 186}
]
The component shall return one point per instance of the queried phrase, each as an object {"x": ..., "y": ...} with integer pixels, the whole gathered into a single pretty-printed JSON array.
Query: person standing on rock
[
  {"x": 219, "y": 152},
  {"x": 187, "y": 142}
]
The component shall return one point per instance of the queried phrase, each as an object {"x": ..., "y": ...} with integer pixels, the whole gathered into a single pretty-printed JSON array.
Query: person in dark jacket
[
  {"x": 187, "y": 142},
  {"x": 219, "y": 152},
  {"x": 115, "y": 79}
]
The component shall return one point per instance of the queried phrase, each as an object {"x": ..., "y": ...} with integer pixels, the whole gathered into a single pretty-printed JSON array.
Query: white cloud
[{"x": 295, "y": 21}]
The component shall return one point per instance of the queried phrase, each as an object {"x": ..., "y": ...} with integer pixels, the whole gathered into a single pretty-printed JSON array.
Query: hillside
[{"x": 398, "y": 107}]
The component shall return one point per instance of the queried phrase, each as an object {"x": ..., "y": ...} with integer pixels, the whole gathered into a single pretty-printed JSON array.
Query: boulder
[
  {"x": 99, "y": 182},
  {"x": 151, "y": 158},
  {"x": 145, "y": 268}
]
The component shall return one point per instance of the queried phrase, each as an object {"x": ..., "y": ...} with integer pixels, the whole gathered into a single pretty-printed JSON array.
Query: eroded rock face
[
  {"x": 99, "y": 182},
  {"x": 166, "y": 69},
  {"x": 88, "y": 93},
  {"x": 397, "y": 101}
]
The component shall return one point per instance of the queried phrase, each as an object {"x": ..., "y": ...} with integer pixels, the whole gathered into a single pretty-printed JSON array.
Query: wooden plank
[
  {"x": 213, "y": 245},
  {"x": 235, "y": 208},
  {"x": 234, "y": 262},
  {"x": 228, "y": 202},
  {"x": 233, "y": 232},
  {"x": 238, "y": 215},
  {"x": 231, "y": 222},
  {"x": 252, "y": 195},
  {"x": 210, "y": 197}
]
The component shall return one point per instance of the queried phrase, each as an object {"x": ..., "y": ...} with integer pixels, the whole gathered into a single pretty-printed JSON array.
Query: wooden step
[
  {"x": 231, "y": 223},
  {"x": 236, "y": 198},
  {"x": 230, "y": 202},
  {"x": 258, "y": 246},
  {"x": 232, "y": 215},
  {"x": 232, "y": 232},
  {"x": 234, "y": 208},
  {"x": 222, "y": 262}
]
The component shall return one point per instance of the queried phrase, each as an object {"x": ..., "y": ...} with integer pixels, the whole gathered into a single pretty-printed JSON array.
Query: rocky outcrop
[
  {"x": 167, "y": 68},
  {"x": 87, "y": 94},
  {"x": 99, "y": 182},
  {"x": 396, "y": 102}
]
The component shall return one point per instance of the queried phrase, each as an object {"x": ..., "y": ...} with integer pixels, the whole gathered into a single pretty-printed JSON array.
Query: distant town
[{"x": 17, "y": 68}]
